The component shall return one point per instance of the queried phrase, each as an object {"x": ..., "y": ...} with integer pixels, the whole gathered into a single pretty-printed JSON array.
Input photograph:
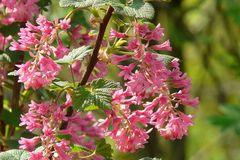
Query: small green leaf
[
  {"x": 4, "y": 57},
  {"x": 104, "y": 149},
  {"x": 166, "y": 59},
  {"x": 59, "y": 85},
  {"x": 98, "y": 95},
  {"x": 14, "y": 154},
  {"x": 13, "y": 73},
  {"x": 77, "y": 148},
  {"x": 74, "y": 55}
]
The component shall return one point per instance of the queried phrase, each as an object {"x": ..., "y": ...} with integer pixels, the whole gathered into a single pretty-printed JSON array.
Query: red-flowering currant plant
[{"x": 69, "y": 117}]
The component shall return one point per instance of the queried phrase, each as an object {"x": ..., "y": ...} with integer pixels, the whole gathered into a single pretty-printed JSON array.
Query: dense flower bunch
[
  {"x": 148, "y": 83},
  {"x": 17, "y": 10},
  {"x": 46, "y": 119},
  {"x": 12, "y": 11},
  {"x": 38, "y": 40},
  {"x": 154, "y": 86}
]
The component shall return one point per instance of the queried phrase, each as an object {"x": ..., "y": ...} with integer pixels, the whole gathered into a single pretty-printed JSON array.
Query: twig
[{"x": 94, "y": 58}]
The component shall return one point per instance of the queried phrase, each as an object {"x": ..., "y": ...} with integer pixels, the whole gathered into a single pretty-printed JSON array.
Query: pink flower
[
  {"x": 65, "y": 24},
  {"x": 36, "y": 156},
  {"x": 115, "y": 59},
  {"x": 31, "y": 120},
  {"x": 142, "y": 29},
  {"x": 68, "y": 101},
  {"x": 28, "y": 144},
  {"x": 42, "y": 108},
  {"x": 133, "y": 44},
  {"x": 46, "y": 27},
  {"x": 114, "y": 34},
  {"x": 61, "y": 50},
  {"x": 164, "y": 46},
  {"x": 38, "y": 75},
  {"x": 177, "y": 126},
  {"x": 48, "y": 131},
  {"x": 126, "y": 71},
  {"x": 21, "y": 11},
  {"x": 156, "y": 34}
]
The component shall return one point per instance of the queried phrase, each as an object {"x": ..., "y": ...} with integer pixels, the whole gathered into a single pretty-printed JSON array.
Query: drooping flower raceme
[
  {"x": 147, "y": 78},
  {"x": 46, "y": 119},
  {"x": 38, "y": 41},
  {"x": 18, "y": 10}
]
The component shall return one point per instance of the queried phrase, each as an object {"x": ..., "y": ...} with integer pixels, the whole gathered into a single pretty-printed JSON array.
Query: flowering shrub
[{"x": 69, "y": 118}]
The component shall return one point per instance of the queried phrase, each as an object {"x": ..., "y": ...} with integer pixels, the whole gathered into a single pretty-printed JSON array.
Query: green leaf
[
  {"x": 147, "y": 158},
  {"x": 4, "y": 57},
  {"x": 104, "y": 149},
  {"x": 13, "y": 73},
  {"x": 59, "y": 85},
  {"x": 12, "y": 118},
  {"x": 14, "y": 154},
  {"x": 82, "y": 3},
  {"x": 138, "y": 8},
  {"x": 77, "y": 148},
  {"x": 74, "y": 55},
  {"x": 166, "y": 59},
  {"x": 97, "y": 95}
]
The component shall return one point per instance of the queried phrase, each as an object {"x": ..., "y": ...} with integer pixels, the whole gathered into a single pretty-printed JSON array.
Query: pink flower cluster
[
  {"x": 18, "y": 10},
  {"x": 38, "y": 41},
  {"x": 147, "y": 77},
  {"x": 46, "y": 119}
]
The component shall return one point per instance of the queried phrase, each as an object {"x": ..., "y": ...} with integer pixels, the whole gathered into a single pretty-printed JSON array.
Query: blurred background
[{"x": 205, "y": 35}]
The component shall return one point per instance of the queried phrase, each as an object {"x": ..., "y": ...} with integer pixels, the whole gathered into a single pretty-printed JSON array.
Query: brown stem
[
  {"x": 16, "y": 92},
  {"x": 94, "y": 58}
]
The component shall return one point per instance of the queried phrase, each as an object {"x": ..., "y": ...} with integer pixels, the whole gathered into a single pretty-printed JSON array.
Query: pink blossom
[
  {"x": 115, "y": 59},
  {"x": 61, "y": 50},
  {"x": 28, "y": 144},
  {"x": 133, "y": 44},
  {"x": 31, "y": 120},
  {"x": 126, "y": 71},
  {"x": 176, "y": 127},
  {"x": 114, "y": 34},
  {"x": 65, "y": 24},
  {"x": 36, "y": 156},
  {"x": 42, "y": 108},
  {"x": 156, "y": 34},
  {"x": 164, "y": 46},
  {"x": 38, "y": 75},
  {"x": 20, "y": 11},
  {"x": 142, "y": 29},
  {"x": 68, "y": 101},
  {"x": 46, "y": 27}
]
